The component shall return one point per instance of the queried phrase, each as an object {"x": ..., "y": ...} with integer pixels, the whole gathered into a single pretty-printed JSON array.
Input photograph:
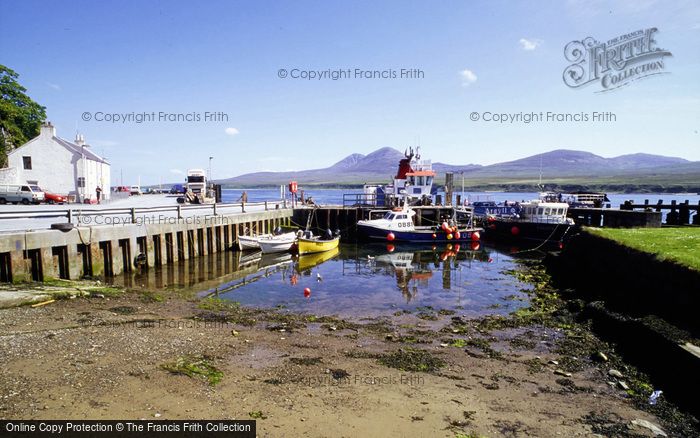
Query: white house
[{"x": 58, "y": 166}]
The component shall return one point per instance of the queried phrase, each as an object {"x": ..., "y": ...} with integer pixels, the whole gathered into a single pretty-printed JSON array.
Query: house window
[
  {"x": 27, "y": 163},
  {"x": 81, "y": 181}
]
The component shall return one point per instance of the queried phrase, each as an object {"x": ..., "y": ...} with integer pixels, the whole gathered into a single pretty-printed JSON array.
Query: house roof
[{"x": 83, "y": 150}]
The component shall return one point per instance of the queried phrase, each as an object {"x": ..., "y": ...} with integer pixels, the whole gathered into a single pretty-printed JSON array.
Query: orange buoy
[
  {"x": 458, "y": 235},
  {"x": 449, "y": 236},
  {"x": 475, "y": 246},
  {"x": 444, "y": 226},
  {"x": 515, "y": 230},
  {"x": 390, "y": 237},
  {"x": 457, "y": 248},
  {"x": 434, "y": 236},
  {"x": 307, "y": 292},
  {"x": 476, "y": 236}
]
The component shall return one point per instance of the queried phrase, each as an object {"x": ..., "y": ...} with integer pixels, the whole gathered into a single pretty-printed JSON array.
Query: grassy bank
[{"x": 678, "y": 244}]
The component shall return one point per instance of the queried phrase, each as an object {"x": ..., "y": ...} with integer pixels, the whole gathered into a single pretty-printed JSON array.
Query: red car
[{"x": 52, "y": 198}]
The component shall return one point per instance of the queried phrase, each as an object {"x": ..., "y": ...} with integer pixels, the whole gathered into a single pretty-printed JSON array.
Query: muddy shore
[{"x": 119, "y": 354}]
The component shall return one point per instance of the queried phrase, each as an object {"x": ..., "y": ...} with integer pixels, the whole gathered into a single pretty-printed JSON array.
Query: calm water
[{"x": 356, "y": 281}]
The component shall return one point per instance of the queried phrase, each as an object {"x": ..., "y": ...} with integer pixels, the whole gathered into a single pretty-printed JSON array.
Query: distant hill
[{"x": 380, "y": 166}]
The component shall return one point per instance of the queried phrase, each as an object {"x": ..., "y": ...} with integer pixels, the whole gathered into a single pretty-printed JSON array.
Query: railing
[
  {"x": 70, "y": 213},
  {"x": 359, "y": 199}
]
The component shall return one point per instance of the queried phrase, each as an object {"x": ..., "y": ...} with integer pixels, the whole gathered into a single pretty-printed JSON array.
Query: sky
[{"x": 189, "y": 58}]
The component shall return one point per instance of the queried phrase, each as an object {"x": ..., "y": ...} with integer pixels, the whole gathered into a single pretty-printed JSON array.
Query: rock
[
  {"x": 615, "y": 373},
  {"x": 623, "y": 385},
  {"x": 157, "y": 414},
  {"x": 234, "y": 333},
  {"x": 649, "y": 425},
  {"x": 553, "y": 362},
  {"x": 562, "y": 373},
  {"x": 600, "y": 357}
]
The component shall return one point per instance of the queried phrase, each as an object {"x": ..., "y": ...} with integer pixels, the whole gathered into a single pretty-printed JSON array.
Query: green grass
[{"x": 678, "y": 244}]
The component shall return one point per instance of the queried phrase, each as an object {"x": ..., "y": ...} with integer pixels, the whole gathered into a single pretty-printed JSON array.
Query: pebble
[
  {"x": 615, "y": 373},
  {"x": 553, "y": 362},
  {"x": 649, "y": 425},
  {"x": 562, "y": 373},
  {"x": 601, "y": 356},
  {"x": 623, "y": 385}
]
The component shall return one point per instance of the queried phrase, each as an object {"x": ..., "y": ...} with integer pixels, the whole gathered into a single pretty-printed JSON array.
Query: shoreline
[{"x": 125, "y": 354}]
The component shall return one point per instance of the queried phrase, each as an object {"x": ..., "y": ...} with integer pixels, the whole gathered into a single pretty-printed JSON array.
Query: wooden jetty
[{"x": 679, "y": 213}]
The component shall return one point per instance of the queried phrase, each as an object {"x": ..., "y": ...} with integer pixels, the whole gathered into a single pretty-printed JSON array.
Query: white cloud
[
  {"x": 177, "y": 171},
  {"x": 54, "y": 86},
  {"x": 231, "y": 131},
  {"x": 530, "y": 44},
  {"x": 468, "y": 77}
]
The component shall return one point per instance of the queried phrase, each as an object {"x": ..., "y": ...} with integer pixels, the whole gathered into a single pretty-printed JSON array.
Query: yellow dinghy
[{"x": 316, "y": 244}]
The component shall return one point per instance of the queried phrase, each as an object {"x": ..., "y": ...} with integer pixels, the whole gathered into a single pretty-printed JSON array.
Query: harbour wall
[
  {"x": 646, "y": 307},
  {"x": 109, "y": 250}
]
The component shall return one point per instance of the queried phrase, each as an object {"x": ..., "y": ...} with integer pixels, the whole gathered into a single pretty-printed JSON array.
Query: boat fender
[
  {"x": 476, "y": 236},
  {"x": 390, "y": 237}
]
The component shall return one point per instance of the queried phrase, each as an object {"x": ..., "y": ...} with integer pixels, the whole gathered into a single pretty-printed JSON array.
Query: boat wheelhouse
[
  {"x": 413, "y": 183},
  {"x": 535, "y": 220}
]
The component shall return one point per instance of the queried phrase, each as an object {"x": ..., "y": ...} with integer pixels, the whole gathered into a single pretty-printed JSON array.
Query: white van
[
  {"x": 26, "y": 194},
  {"x": 135, "y": 190}
]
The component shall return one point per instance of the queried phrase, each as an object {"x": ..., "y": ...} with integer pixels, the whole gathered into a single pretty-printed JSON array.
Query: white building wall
[
  {"x": 56, "y": 168},
  {"x": 52, "y": 164}
]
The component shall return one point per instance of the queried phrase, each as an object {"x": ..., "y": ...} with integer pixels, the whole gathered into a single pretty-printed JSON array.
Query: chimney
[
  {"x": 47, "y": 129},
  {"x": 80, "y": 140}
]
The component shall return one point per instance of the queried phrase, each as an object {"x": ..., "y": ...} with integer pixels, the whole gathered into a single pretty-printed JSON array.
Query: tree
[{"x": 20, "y": 116}]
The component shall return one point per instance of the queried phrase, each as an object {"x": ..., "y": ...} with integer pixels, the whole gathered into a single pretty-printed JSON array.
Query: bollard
[
  {"x": 179, "y": 212},
  {"x": 265, "y": 205},
  {"x": 214, "y": 208},
  {"x": 70, "y": 216},
  {"x": 133, "y": 215}
]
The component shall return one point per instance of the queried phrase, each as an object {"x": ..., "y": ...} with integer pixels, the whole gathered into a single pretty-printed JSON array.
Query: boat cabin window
[
  {"x": 389, "y": 215},
  {"x": 560, "y": 212},
  {"x": 428, "y": 180},
  {"x": 540, "y": 211},
  {"x": 401, "y": 216},
  {"x": 420, "y": 181}
]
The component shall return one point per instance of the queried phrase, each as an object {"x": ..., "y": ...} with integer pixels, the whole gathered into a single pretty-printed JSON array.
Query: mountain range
[{"x": 561, "y": 164}]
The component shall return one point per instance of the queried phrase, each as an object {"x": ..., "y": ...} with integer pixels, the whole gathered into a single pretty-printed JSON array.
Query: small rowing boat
[
  {"x": 316, "y": 244},
  {"x": 280, "y": 243}
]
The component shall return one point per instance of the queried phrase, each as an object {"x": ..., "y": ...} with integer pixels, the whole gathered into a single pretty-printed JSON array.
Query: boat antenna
[{"x": 540, "y": 183}]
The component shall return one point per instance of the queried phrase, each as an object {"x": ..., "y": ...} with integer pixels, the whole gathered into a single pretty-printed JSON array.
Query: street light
[{"x": 210, "y": 176}]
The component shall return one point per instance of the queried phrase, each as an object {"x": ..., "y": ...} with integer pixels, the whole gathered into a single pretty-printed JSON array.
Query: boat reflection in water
[{"x": 352, "y": 281}]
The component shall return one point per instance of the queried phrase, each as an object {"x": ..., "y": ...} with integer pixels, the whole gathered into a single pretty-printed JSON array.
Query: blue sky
[{"x": 187, "y": 57}]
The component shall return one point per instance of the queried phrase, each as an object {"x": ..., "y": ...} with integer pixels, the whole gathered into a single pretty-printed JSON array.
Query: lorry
[{"x": 196, "y": 191}]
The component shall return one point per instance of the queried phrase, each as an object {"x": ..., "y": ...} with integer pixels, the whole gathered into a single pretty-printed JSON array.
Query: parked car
[
  {"x": 26, "y": 194},
  {"x": 53, "y": 198},
  {"x": 135, "y": 190}
]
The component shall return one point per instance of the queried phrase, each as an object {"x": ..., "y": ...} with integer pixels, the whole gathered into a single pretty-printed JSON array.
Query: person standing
[{"x": 98, "y": 190}]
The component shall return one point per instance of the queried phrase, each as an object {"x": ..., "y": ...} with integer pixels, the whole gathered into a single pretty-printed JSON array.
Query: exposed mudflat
[{"x": 143, "y": 355}]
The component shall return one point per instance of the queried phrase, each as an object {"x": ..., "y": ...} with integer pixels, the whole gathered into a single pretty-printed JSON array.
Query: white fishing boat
[
  {"x": 250, "y": 242},
  {"x": 279, "y": 243}
]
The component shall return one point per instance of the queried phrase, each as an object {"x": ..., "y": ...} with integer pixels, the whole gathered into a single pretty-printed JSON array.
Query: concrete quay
[{"x": 146, "y": 237}]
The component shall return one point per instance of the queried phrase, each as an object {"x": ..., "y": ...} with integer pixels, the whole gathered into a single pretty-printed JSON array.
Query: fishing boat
[
  {"x": 536, "y": 220},
  {"x": 413, "y": 184},
  {"x": 280, "y": 243},
  {"x": 398, "y": 225}
]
